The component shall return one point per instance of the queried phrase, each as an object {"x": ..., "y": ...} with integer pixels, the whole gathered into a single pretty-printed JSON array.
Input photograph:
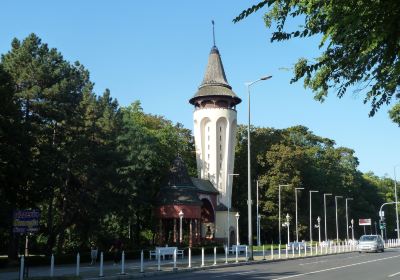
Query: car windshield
[{"x": 368, "y": 238}]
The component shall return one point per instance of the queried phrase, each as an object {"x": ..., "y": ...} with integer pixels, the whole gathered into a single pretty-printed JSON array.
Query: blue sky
[{"x": 156, "y": 52}]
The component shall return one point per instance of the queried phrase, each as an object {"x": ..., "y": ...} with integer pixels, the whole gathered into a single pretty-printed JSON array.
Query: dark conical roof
[
  {"x": 180, "y": 188},
  {"x": 178, "y": 174},
  {"x": 214, "y": 82}
]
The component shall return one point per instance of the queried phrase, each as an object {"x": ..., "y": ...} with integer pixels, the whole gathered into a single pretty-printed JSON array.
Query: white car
[{"x": 371, "y": 243}]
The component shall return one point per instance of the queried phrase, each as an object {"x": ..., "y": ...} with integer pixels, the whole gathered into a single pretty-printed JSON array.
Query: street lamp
[
  {"x": 337, "y": 223},
  {"x": 347, "y": 219},
  {"x": 352, "y": 229},
  {"x": 250, "y": 231},
  {"x": 311, "y": 215},
  {"x": 237, "y": 228},
  {"x": 326, "y": 232},
  {"x": 259, "y": 230},
  {"x": 395, "y": 197},
  {"x": 318, "y": 226},
  {"x": 180, "y": 225},
  {"x": 286, "y": 224},
  {"x": 279, "y": 210},
  {"x": 258, "y": 221},
  {"x": 295, "y": 195},
  {"x": 229, "y": 207}
]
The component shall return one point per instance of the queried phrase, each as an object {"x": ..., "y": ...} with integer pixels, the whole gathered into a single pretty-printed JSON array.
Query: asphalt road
[{"x": 354, "y": 266}]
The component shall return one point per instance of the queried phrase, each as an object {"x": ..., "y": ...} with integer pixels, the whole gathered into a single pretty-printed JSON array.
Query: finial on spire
[{"x": 212, "y": 21}]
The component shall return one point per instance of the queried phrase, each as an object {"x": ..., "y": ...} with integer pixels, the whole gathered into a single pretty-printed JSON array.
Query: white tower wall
[{"x": 215, "y": 136}]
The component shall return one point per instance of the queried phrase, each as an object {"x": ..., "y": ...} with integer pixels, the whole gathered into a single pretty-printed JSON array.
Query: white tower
[{"x": 215, "y": 124}]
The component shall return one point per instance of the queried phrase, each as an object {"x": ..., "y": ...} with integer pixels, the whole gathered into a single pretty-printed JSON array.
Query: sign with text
[
  {"x": 364, "y": 222},
  {"x": 26, "y": 221}
]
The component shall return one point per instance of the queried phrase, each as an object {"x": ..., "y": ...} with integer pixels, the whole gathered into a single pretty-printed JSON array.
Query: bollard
[
  {"x": 311, "y": 252},
  {"x": 78, "y": 260},
  {"x": 159, "y": 261},
  {"x": 52, "y": 266},
  {"x": 141, "y": 262},
  {"x": 330, "y": 247},
  {"x": 286, "y": 253},
  {"x": 247, "y": 255},
  {"x": 320, "y": 248},
  {"x": 335, "y": 248},
  {"x": 326, "y": 249},
  {"x": 174, "y": 260},
  {"x": 190, "y": 258},
  {"x": 305, "y": 249},
  {"x": 21, "y": 268},
  {"x": 226, "y": 254},
  {"x": 101, "y": 274},
  {"x": 263, "y": 253},
  {"x": 202, "y": 256},
  {"x": 299, "y": 251},
  {"x": 123, "y": 263},
  {"x": 237, "y": 254},
  {"x": 279, "y": 251},
  {"x": 215, "y": 255},
  {"x": 293, "y": 251},
  {"x": 272, "y": 252}
]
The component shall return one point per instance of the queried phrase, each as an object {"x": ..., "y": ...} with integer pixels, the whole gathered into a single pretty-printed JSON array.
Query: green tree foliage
[
  {"x": 360, "y": 42},
  {"x": 149, "y": 144},
  {"x": 297, "y": 157}
]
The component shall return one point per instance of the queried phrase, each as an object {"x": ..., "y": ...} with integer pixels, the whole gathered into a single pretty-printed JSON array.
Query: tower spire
[{"x": 213, "y": 32}]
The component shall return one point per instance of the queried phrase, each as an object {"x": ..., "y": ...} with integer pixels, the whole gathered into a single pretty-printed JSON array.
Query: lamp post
[
  {"x": 395, "y": 197},
  {"x": 286, "y": 224},
  {"x": 318, "y": 226},
  {"x": 250, "y": 230},
  {"x": 311, "y": 215},
  {"x": 337, "y": 223},
  {"x": 237, "y": 228},
  {"x": 347, "y": 219},
  {"x": 258, "y": 221},
  {"x": 180, "y": 225},
  {"x": 229, "y": 207},
  {"x": 352, "y": 229},
  {"x": 326, "y": 232},
  {"x": 279, "y": 210},
  {"x": 295, "y": 196},
  {"x": 259, "y": 230}
]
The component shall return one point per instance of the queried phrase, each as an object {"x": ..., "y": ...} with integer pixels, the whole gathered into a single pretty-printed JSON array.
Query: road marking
[
  {"x": 335, "y": 268},
  {"x": 235, "y": 273},
  {"x": 394, "y": 274},
  {"x": 311, "y": 263}
]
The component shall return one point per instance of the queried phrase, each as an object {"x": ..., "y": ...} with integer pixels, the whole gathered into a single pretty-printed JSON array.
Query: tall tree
[{"x": 360, "y": 42}]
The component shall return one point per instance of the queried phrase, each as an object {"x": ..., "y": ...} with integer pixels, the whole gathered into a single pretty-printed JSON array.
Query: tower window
[
  {"x": 220, "y": 128},
  {"x": 220, "y": 138}
]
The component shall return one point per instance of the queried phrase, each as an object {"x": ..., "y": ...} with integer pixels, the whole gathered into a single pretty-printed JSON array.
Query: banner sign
[
  {"x": 364, "y": 222},
  {"x": 26, "y": 221}
]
